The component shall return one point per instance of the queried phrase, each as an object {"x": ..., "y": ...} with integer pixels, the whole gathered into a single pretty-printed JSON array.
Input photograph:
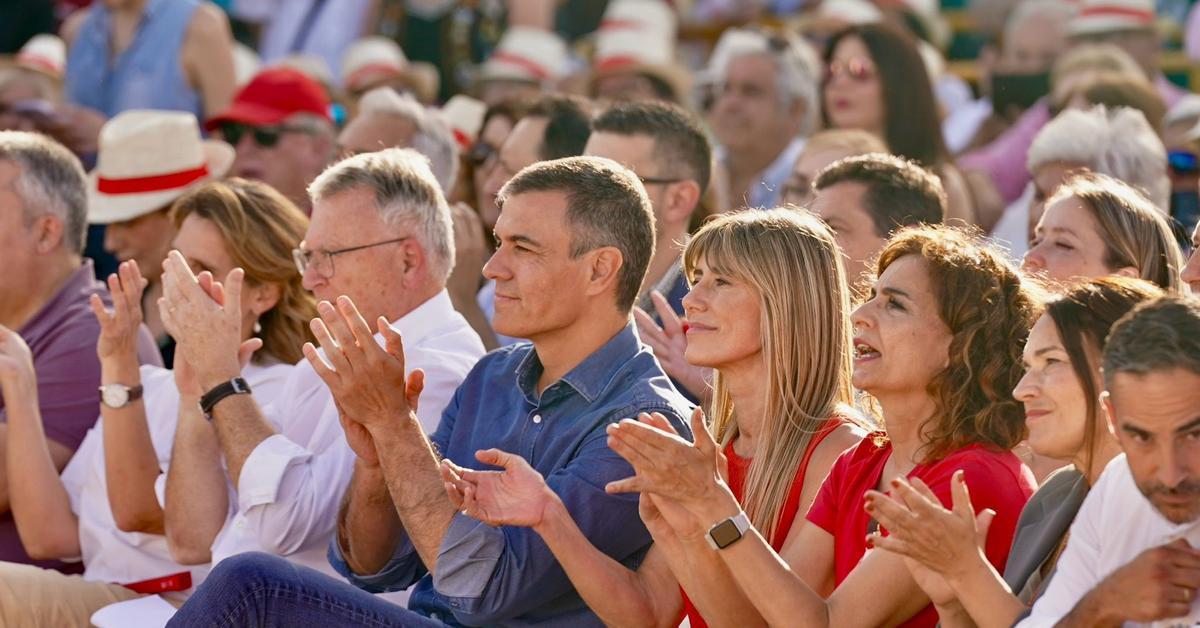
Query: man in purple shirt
[{"x": 45, "y": 285}]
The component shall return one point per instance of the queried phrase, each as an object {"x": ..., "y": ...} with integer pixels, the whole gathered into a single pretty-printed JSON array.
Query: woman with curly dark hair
[{"x": 938, "y": 346}]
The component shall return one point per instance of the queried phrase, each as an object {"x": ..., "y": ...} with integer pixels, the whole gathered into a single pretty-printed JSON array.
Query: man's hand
[
  {"x": 516, "y": 496},
  {"x": 1159, "y": 584},
  {"x": 367, "y": 381},
  {"x": 119, "y": 328},
  {"x": 668, "y": 342},
  {"x": 207, "y": 331},
  {"x": 16, "y": 363}
]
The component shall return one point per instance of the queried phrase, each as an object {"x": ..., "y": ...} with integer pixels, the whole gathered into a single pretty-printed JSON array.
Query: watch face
[
  {"x": 725, "y": 533},
  {"x": 114, "y": 396}
]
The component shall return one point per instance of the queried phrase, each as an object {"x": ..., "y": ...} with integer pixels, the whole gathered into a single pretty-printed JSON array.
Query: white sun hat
[
  {"x": 147, "y": 159},
  {"x": 527, "y": 54},
  {"x": 1109, "y": 16},
  {"x": 464, "y": 116}
]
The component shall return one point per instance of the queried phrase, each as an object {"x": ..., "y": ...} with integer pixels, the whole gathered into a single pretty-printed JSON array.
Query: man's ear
[
  {"x": 681, "y": 200},
  {"x": 604, "y": 270},
  {"x": 48, "y": 232},
  {"x": 415, "y": 261}
]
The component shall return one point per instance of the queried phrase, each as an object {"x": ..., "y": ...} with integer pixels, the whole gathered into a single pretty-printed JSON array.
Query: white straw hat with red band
[
  {"x": 464, "y": 116},
  {"x": 1109, "y": 16},
  {"x": 639, "y": 36},
  {"x": 147, "y": 159},
  {"x": 372, "y": 60},
  {"x": 527, "y": 54},
  {"x": 45, "y": 54}
]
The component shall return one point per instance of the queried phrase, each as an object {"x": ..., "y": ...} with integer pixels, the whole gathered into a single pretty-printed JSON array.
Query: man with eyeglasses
[
  {"x": 280, "y": 125},
  {"x": 666, "y": 147},
  {"x": 381, "y": 236}
]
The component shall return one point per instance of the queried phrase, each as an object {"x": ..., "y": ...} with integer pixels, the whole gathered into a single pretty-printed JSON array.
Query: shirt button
[{"x": 537, "y": 418}]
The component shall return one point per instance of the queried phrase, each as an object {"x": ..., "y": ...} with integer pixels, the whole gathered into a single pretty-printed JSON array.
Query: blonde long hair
[
  {"x": 260, "y": 228},
  {"x": 791, "y": 260}
]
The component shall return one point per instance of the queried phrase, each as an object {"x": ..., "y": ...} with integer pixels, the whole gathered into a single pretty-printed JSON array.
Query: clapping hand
[
  {"x": 368, "y": 382},
  {"x": 16, "y": 364},
  {"x": 937, "y": 543},
  {"x": 668, "y": 341},
  {"x": 206, "y": 321},
  {"x": 119, "y": 328},
  {"x": 515, "y": 496}
]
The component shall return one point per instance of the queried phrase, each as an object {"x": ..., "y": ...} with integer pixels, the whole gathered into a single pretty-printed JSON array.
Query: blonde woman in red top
[{"x": 769, "y": 312}]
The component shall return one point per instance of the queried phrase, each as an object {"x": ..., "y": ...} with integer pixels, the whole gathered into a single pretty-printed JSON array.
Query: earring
[{"x": 257, "y": 328}]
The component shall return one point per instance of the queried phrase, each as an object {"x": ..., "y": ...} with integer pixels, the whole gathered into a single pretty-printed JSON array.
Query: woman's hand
[
  {"x": 682, "y": 476},
  {"x": 516, "y": 496},
  {"x": 119, "y": 328},
  {"x": 945, "y": 542},
  {"x": 16, "y": 365}
]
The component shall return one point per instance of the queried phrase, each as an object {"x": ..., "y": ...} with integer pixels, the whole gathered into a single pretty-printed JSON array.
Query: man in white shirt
[
  {"x": 380, "y": 234},
  {"x": 1130, "y": 556}
]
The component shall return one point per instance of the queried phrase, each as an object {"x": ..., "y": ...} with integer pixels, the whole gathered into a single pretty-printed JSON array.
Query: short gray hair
[
  {"x": 406, "y": 193},
  {"x": 433, "y": 137},
  {"x": 1118, "y": 142},
  {"x": 799, "y": 74},
  {"x": 1159, "y": 335},
  {"x": 52, "y": 181}
]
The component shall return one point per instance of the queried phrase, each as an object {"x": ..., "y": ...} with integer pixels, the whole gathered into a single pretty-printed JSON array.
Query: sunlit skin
[
  {"x": 1045, "y": 182},
  {"x": 520, "y": 149},
  {"x": 1055, "y": 403},
  {"x": 494, "y": 133},
  {"x": 203, "y": 246},
  {"x": 749, "y": 109},
  {"x": 1068, "y": 246},
  {"x": 1156, "y": 419},
  {"x": 855, "y": 103},
  {"x": 145, "y": 240},
  {"x": 900, "y": 340},
  {"x": 840, "y": 206},
  {"x": 1191, "y": 271},
  {"x": 724, "y": 321},
  {"x": 372, "y": 132},
  {"x": 797, "y": 190}
]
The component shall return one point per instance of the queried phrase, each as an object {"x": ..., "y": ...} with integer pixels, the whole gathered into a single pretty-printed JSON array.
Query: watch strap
[
  {"x": 235, "y": 386},
  {"x": 728, "y": 531}
]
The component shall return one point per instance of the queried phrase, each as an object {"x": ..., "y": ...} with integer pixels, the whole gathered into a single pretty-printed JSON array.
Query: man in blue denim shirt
[{"x": 575, "y": 236}]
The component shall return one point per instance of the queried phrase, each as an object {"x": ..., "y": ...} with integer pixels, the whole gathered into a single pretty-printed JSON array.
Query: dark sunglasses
[
  {"x": 264, "y": 136},
  {"x": 480, "y": 152}
]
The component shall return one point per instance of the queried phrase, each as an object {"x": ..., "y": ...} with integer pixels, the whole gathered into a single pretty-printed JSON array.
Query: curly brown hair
[{"x": 989, "y": 309}]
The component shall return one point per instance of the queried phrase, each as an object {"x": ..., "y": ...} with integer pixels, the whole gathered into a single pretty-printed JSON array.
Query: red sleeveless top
[{"x": 738, "y": 469}]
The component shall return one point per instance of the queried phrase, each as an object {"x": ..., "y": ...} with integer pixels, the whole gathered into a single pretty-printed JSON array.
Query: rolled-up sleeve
[{"x": 489, "y": 574}]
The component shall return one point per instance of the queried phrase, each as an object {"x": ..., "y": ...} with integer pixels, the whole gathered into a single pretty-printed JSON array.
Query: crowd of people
[{"x": 433, "y": 313}]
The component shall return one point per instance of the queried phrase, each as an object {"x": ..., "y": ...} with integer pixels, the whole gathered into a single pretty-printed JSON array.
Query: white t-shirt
[
  {"x": 109, "y": 554},
  {"x": 1114, "y": 525}
]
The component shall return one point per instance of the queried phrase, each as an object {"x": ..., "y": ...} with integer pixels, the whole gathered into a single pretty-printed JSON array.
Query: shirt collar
[
  {"x": 425, "y": 319},
  {"x": 590, "y": 377},
  {"x": 80, "y": 282}
]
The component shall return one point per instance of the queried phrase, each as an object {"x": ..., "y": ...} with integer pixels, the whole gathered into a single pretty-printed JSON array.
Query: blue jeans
[{"x": 258, "y": 589}]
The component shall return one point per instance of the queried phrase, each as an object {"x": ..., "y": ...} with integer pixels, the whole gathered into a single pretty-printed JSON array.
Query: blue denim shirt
[{"x": 507, "y": 576}]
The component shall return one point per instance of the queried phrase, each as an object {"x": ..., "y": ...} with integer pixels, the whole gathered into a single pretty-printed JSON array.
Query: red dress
[
  {"x": 739, "y": 468},
  {"x": 997, "y": 479}
]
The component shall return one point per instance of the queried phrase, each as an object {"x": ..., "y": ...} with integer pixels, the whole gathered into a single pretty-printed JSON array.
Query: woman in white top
[{"x": 105, "y": 507}]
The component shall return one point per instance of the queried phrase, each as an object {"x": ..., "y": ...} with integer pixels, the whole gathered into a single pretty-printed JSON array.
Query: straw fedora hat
[
  {"x": 527, "y": 54},
  {"x": 147, "y": 159},
  {"x": 464, "y": 115},
  {"x": 44, "y": 54},
  {"x": 1108, "y": 16},
  {"x": 372, "y": 60},
  {"x": 639, "y": 36}
]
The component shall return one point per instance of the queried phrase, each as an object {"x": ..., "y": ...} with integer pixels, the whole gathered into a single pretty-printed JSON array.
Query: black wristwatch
[{"x": 235, "y": 386}]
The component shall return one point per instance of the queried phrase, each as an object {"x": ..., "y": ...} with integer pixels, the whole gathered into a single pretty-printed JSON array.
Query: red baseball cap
[{"x": 272, "y": 96}]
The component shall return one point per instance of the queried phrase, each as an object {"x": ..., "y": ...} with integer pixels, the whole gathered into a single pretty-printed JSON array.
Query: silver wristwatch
[{"x": 119, "y": 395}]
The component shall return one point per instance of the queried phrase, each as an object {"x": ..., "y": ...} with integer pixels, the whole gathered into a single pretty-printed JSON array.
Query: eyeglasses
[
  {"x": 264, "y": 136},
  {"x": 858, "y": 69},
  {"x": 322, "y": 261},
  {"x": 659, "y": 180},
  {"x": 480, "y": 153}
]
